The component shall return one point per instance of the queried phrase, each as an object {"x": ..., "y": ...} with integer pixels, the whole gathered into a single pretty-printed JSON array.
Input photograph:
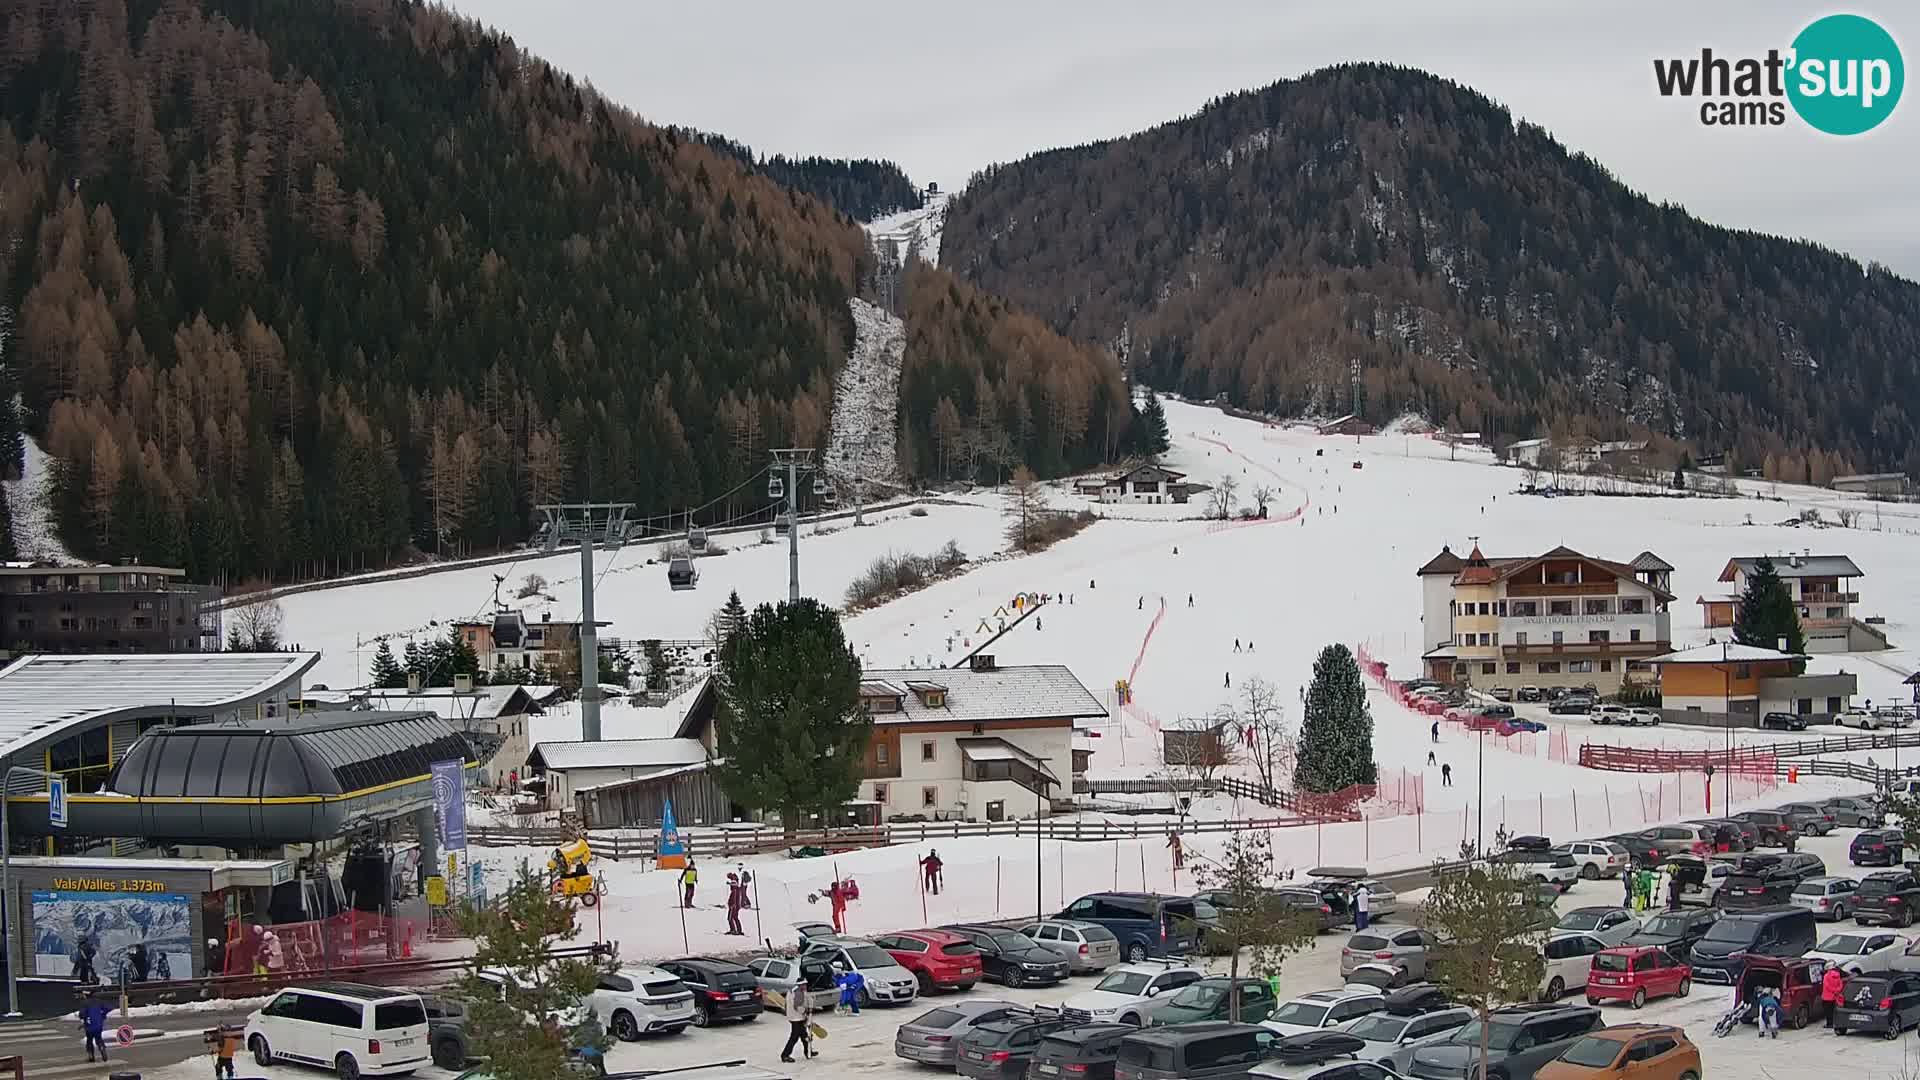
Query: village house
[
  {"x": 1557, "y": 619},
  {"x": 981, "y": 742},
  {"x": 1823, "y": 594},
  {"x": 510, "y": 640},
  {"x": 1725, "y": 683},
  {"x": 1146, "y": 484}
]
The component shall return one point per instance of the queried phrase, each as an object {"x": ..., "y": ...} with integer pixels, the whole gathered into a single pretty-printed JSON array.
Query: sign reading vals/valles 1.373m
[{"x": 89, "y": 884}]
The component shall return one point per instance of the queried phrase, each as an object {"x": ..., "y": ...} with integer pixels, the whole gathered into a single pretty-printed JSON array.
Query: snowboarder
[
  {"x": 1446, "y": 775},
  {"x": 1179, "y": 851},
  {"x": 689, "y": 878},
  {"x": 733, "y": 904},
  {"x": 93, "y": 1024},
  {"x": 931, "y": 866},
  {"x": 799, "y": 1013}
]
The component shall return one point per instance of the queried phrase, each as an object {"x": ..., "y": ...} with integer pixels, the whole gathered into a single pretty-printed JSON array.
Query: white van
[{"x": 353, "y": 1029}]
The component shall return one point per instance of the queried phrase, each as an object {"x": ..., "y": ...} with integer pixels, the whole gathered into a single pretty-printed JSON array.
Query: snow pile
[
  {"x": 34, "y": 537},
  {"x": 866, "y": 400},
  {"x": 916, "y": 231}
]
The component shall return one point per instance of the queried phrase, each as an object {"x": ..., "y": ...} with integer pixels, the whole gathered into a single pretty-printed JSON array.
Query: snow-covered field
[{"x": 916, "y": 231}]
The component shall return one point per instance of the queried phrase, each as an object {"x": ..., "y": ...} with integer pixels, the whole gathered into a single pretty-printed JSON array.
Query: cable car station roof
[{"x": 45, "y": 698}]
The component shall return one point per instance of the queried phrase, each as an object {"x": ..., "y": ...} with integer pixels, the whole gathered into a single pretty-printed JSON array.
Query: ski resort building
[
  {"x": 1146, "y": 484},
  {"x": 1823, "y": 593},
  {"x": 1728, "y": 683},
  {"x": 510, "y": 640},
  {"x": 1557, "y": 619},
  {"x": 981, "y": 742},
  {"x": 105, "y": 609}
]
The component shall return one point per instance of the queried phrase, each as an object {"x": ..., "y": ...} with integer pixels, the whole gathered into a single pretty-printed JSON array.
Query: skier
[
  {"x": 931, "y": 865},
  {"x": 1140, "y": 604},
  {"x": 1189, "y": 599},
  {"x": 1176, "y": 549},
  {"x": 1446, "y": 775},
  {"x": 733, "y": 904},
  {"x": 689, "y": 878},
  {"x": 1036, "y": 623},
  {"x": 837, "y": 900},
  {"x": 1236, "y": 644},
  {"x": 93, "y": 1025},
  {"x": 1249, "y": 644},
  {"x": 1229, "y": 678},
  {"x": 1430, "y": 758},
  {"x": 1436, "y": 731},
  {"x": 1089, "y": 583},
  {"x": 1179, "y": 851}
]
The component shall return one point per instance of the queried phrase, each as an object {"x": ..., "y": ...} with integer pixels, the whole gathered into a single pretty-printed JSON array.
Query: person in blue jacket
[
  {"x": 93, "y": 1023},
  {"x": 849, "y": 983}
]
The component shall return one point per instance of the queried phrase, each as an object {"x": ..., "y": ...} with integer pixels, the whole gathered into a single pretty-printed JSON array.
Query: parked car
[
  {"x": 1641, "y": 716},
  {"x": 1502, "y": 693},
  {"x": 1889, "y": 897},
  {"x": 883, "y": 980},
  {"x": 1001, "y": 1049},
  {"x": 349, "y": 1028},
  {"x": 938, "y": 959},
  {"x": 1733, "y": 836},
  {"x": 1146, "y": 924},
  {"x": 1820, "y": 820},
  {"x": 1675, "y": 931},
  {"x": 1855, "y": 811},
  {"x": 1877, "y": 847},
  {"x": 1386, "y": 1032},
  {"x": 1884, "y": 1005},
  {"x": 1597, "y": 858},
  {"x": 1530, "y": 693},
  {"x": 1723, "y": 953},
  {"x": 1856, "y": 716},
  {"x": 1641, "y": 848},
  {"x": 1826, "y": 897},
  {"x": 1568, "y": 957},
  {"x": 933, "y": 1037},
  {"x": 1119, "y": 994},
  {"x": 1783, "y": 721},
  {"x": 1207, "y": 937},
  {"x": 1087, "y": 1052},
  {"x": 1612, "y": 925},
  {"x": 778, "y": 976},
  {"x": 1211, "y": 998},
  {"x": 1325, "y": 1009},
  {"x": 1773, "y": 826},
  {"x": 1682, "y": 839},
  {"x": 1794, "y": 979},
  {"x": 1865, "y": 951},
  {"x": 1609, "y": 714},
  {"x": 1403, "y": 949},
  {"x": 1013, "y": 959},
  {"x": 1762, "y": 887},
  {"x": 448, "y": 1042},
  {"x": 722, "y": 990},
  {"x": 1313, "y": 903},
  {"x": 1520, "y": 1039},
  {"x": 1209, "y": 1051},
  {"x": 1636, "y": 973},
  {"x": 641, "y": 1000},
  {"x": 1894, "y": 716},
  {"x": 1802, "y": 864},
  {"x": 1642, "y": 1051},
  {"x": 1339, "y": 883},
  {"x": 1571, "y": 705},
  {"x": 1544, "y": 866}
]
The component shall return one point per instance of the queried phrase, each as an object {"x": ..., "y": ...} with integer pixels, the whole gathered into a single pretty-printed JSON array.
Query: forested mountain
[
  {"x": 299, "y": 283},
  {"x": 860, "y": 188},
  {"x": 1476, "y": 270}
]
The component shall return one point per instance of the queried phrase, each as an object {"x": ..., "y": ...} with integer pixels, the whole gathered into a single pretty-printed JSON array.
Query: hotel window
[
  {"x": 1559, "y": 637},
  {"x": 1526, "y": 609},
  {"x": 880, "y": 753},
  {"x": 1579, "y": 667},
  {"x": 1596, "y": 637},
  {"x": 1633, "y": 635},
  {"x": 1496, "y": 638},
  {"x": 1500, "y": 608},
  {"x": 1486, "y": 608},
  {"x": 1485, "y": 639},
  {"x": 1559, "y": 607},
  {"x": 926, "y": 749},
  {"x": 1633, "y": 605},
  {"x": 1487, "y": 669},
  {"x": 1599, "y": 605},
  {"x": 929, "y": 796},
  {"x": 1606, "y": 665},
  {"x": 1549, "y": 667},
  {"x": 1835, "y": 613},
  {"x": 1520, "y": 638},
  {"x": 1513, "y": 667}
]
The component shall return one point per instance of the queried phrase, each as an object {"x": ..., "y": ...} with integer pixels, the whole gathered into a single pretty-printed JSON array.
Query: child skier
[{"x": 850, "y": 984}]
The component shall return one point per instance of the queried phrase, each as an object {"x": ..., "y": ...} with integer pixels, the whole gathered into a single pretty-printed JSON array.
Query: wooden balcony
[
  {"x": 1829, "y": 598},
  {"x": 1583, "y": 588},
  {"x": 1585, "y": 648}
]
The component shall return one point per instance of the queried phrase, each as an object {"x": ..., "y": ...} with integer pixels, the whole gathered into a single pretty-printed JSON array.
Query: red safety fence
[{"x": 345, "y": 940}]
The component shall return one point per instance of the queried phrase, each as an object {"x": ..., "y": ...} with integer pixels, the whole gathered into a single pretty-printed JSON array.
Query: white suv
[
  {"x": 1596, "y": 858},
  {"x": 636, "y": 1001},
  {"x": 1121, "y": 996},
  {"x": 1611, "y": 714},
  {"x": 1638, "y": 717},
  {"x": 354, "y": 1030}
]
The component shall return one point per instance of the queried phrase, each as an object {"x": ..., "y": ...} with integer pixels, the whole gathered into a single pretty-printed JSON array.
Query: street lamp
[
  {"x": 1480, "y": 800},
  {"x": 1039, "y": 856},
  {"x": 7, "y": 899}
]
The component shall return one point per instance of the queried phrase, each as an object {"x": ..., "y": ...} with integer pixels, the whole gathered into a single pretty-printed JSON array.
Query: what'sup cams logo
[{"x": 1842, "y": 75}]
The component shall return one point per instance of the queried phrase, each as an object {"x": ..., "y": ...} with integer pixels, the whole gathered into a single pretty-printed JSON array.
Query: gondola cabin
[{"x": 681, "y": 575}]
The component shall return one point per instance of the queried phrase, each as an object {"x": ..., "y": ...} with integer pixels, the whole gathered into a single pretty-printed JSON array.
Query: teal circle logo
[{"x": 1847, "y": 74}]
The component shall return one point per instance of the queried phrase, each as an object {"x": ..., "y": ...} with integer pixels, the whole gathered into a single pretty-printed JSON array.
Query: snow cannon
[{"x": 570, "y": 857}]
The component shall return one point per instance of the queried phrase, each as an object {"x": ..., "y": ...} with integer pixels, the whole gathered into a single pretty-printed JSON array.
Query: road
[{"x": 53, "y": 1048}]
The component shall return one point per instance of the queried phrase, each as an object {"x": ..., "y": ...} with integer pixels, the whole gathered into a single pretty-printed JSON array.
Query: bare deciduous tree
[
  {"x": 1262, "y": 496},
  {"x": 531, "y": 585},
  {"x": 255, "y": 627},
  {"x": 1223, "y": 493},
  {"x": 1260, "y": 732}
]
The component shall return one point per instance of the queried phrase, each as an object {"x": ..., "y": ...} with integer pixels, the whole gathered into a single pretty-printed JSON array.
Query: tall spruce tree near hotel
[
  {"x": 1336, "y": 734},
  {"x": 1767, "y": 615}
]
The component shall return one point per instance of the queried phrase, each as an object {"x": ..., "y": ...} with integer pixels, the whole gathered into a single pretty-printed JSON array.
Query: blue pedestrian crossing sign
[{"x": 57, "y": 802}]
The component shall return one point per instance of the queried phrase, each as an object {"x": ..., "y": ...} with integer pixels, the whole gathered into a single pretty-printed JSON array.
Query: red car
[
  {"x": 940, "y": 959},
  {"x": 1635, "y": 973}
]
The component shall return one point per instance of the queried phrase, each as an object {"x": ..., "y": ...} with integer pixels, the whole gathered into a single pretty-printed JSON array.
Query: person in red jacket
[
  {"x": 837, "y": 899},
  {"x": 1830, "y": 985},
  {"x": 931, "y": 864}
]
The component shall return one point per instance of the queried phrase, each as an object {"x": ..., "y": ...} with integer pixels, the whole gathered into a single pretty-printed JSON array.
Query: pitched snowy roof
[
  {"x": 1034, "y": 692},
  {"x": 1444, "y": 563},
  {"x": 1726, "y": 653},
  {"x": 45, "y": 697},
  {"x": 482, "y": 703},
  {"x": 1805, "y": 566},
  {"x": 619, "y": 754}
]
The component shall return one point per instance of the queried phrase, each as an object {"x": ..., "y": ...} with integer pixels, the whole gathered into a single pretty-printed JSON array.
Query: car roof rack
[{"x": 1339, "y": 873}]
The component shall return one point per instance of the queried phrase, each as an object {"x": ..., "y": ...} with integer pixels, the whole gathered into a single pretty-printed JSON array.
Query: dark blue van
[
  {"x": 1781, "y": 932},
  {"x": 1146, "y": 924}
]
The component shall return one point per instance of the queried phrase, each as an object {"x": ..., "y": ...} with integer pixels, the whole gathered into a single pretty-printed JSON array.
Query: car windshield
[
  {"x": 1366, "y": 943},
  {"x": 1733, "y": 931},
  {"x": 1842, "y": 945},
  {"x": 1200, "y": 995},
  {"x": 937, "y": 1018},
  {"x": 1810, "y": 888},
  {"x": 1205, "y": 911},
  {"x": 1302, "y": 1013},
  {"x": 1876, "y": 887},
  {"x": 1379, "y": 1027},
  {"x": 1013, "y": 942},
  {"x": 871, "y": 956},
  {"x": 1593, "y": 1052},
  {"x": 1125, "y": 982},
  {"x": 1499, "y": 1036},
  {"x": 1580, "y": 920},
  {"x": 1667, "y": 923}
]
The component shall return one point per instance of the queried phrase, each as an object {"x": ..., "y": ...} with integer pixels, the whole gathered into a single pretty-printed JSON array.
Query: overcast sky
[{"x": 944, "y": 89}]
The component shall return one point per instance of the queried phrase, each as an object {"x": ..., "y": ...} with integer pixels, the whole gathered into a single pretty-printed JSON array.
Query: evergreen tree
[
  {"x": 386, "y": 673},
  {"x": 515, "y": 934},
  {"x": 1154, "y": 439},
  {"x": 1336, "y": 734},
  {"x": 792, "y": 735},
  {"x": 458, "y": 659},
  {"x": 656, "y": 663},
  {"x": 413, "y": 661},
  {"x": 731, "y": 617},
  {"x": 1767, "y": 613}
]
